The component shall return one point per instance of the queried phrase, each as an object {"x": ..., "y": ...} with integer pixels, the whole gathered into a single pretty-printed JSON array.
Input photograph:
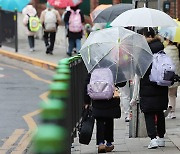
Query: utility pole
[
  {"x": 174, "y": 8},
  {"x": 159, "y": 4},
  {"x": 147, "y": 3}
]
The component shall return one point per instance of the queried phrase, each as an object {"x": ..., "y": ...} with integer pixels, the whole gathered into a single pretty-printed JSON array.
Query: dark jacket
[
  {"x": 73, "y": 35},
  {"x": 104, "y": 108},
  {"x": 152, "y": 96}
]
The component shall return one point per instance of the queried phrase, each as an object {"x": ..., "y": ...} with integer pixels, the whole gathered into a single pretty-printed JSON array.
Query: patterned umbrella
[
  {"x": 171, "y": 33},
  {"x": 12, "y": 5},
  {"x": 64, "y": 3}
]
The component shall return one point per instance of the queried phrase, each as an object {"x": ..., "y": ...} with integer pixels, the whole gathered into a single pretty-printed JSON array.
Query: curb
[{"x": 33, "y": 61}]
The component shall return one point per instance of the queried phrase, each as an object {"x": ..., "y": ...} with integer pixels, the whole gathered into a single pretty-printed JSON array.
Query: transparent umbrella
[{"x": 125, "y": 52}]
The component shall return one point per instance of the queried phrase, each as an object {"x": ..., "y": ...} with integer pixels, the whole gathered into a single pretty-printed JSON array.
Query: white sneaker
[
  {"x": 169, "y": 115},
  {"x": 31, "y": 49},
  {"x": 127, "y": 119},
  {"x": 173, "y": 116},
  {"x": 161, "y": 142},
  {"x": 153, "y": 144}
]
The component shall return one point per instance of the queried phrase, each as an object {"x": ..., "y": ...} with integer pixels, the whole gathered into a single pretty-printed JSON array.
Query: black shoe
[
  {"x": 50, "y": 52},
  {"x": 74, "y": 50},
  {"x": 69, "y": 54}
]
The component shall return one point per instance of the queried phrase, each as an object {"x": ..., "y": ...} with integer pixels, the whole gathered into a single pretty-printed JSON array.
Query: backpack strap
[
  {"x": 30, "y": 16},
  {"x": 78, "y": 10}
]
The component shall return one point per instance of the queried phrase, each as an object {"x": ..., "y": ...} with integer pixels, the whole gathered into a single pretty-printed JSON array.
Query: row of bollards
[{"x": 53, "y": 135}]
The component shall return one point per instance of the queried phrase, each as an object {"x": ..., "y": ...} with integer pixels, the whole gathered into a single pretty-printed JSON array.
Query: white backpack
[
  {"x": 50, "y": 20},
  {"x": 163, "y": 69}
]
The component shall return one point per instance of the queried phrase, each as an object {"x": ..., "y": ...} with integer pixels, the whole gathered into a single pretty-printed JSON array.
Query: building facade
[{"x": 88, "y": 5}]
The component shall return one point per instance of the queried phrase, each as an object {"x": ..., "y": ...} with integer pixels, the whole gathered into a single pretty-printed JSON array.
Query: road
[{"x": 22, "y": 87}]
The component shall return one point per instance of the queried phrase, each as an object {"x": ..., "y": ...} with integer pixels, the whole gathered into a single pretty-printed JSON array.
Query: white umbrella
[{"x": 143, "y": 17}]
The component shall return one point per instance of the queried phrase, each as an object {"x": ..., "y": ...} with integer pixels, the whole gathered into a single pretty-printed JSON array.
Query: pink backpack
[
  {"x": 101, "y": 84},
  {"x": 75, "y": 23}
]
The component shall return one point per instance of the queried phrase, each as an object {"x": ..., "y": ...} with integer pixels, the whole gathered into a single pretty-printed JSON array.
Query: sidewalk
[
  {"x": 123, "y": 144},
  {"x": 126, "y": 145},
  {"x": 37, "y": 57}
]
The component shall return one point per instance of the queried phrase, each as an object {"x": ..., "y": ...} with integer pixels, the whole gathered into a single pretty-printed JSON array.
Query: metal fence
[
  {"x": 78, "y": 75},
  {"x": 61, "y": 113},
  {"x": 8, "y": 29}
]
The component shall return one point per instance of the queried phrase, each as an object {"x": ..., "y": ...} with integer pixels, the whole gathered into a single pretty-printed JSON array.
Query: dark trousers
[
  {"x": 105, "y": 130},
  {"x": 31, "y": 41},
  {"x": 155, "y": 128},
  {"x": 49, "y": 39}
]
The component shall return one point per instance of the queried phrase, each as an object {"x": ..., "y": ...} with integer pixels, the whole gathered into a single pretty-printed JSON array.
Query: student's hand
[
  {"x": 86, "y": 106},
  {"x": 116, "y": 93}
]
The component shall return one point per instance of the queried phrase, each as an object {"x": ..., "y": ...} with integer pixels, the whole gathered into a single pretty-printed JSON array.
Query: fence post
[
  {"x": 0, "y": 27},
  {"x": 137, "y": 126},
  {"x": 16, "y": 30}
]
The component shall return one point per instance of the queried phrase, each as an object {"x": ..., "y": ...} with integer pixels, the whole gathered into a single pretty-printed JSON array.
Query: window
[{"x": 42, "y": 1}]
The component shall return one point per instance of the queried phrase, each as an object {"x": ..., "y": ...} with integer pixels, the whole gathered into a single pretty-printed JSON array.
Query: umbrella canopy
[
  {"x": 144, "y": 17},
  {"x": 12, "y": 5},
  {"x": 177, "y": 21},
  {"x": 98, "y": 10},
  {"x": 110, "y": 13},
  {"x": 125, "y": 52},
  {"x": 64, "y": 3},
  {"x": 171, "y": 33}
]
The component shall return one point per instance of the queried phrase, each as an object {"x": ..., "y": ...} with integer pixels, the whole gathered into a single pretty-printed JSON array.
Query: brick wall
[
  {"x": 178, "y": 9},
  {"x": 174, "y": 9}
]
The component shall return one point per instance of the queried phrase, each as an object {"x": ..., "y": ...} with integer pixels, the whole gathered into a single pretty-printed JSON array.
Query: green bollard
[
  {"x": 53, "y": 111},
  {"x": 61, "y": 78},
  {"x": 62, "y": 66},
  {"x": 50, "y": 139},
  {"x": 63, "y": 71},
  {"x": 59, "y": 90},
  {"x": 64, "y": 61}
]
